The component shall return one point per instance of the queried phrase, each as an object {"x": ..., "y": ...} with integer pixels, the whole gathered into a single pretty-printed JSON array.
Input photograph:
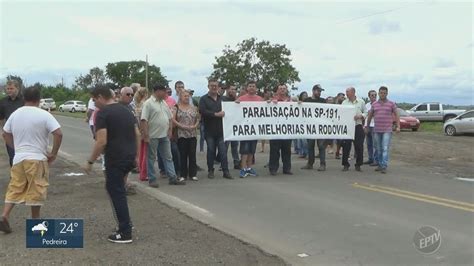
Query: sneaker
[
  {"x": 251, "y": 172},
  {"x": 194, "y": 178},
  {"x": 5, "y": 226},
  {"x": 307, "y": 167},
  {"x": 322, "y": 168},
  {"x": 153, "y": 183},
  {"x": 345, "y": 169},
  {"x": 177, "y": 182},
  {"x": 357, "y": 167},
  {"x": 243, "y": 173},
  {"x": 181, "y": 179},
  {"x": 227, "y": 175},
  {"x": 120, "y": 238},
  {"x": 374, "y": 164},
  {"x": 210, "y": 174}
]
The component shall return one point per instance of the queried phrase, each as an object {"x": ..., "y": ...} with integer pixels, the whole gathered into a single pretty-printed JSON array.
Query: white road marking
[{"x": 465, "y": 179}]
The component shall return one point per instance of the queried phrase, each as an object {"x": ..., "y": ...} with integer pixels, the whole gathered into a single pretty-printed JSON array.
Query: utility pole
[{"x": 146, "y": 72}]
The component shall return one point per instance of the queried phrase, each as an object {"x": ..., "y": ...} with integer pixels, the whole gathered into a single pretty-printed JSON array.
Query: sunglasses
[{"x": 130, "y": 94}]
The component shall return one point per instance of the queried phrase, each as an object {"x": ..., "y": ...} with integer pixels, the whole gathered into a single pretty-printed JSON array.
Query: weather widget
[{"x": 54, "y": 233}]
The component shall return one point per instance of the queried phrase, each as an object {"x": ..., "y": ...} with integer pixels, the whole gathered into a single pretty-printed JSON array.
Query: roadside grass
[
  {"x": 69, "y": 114},
  {"x": 435, "y": 127}
]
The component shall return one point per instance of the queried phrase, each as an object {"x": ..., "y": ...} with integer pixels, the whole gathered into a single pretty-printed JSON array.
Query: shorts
[
  {"x": 28, "y": 183},
  {"x": 248, "y": 146}
]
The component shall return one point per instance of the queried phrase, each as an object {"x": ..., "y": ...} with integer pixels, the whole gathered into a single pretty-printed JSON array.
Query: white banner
[{"x": 287, "y": 120}]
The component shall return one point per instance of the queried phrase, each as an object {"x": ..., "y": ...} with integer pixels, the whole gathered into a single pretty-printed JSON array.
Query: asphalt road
[{"x": 323, "y": 218}]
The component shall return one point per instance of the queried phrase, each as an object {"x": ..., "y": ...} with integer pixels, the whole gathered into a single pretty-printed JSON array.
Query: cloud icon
[{"x": 42, "y": 227}]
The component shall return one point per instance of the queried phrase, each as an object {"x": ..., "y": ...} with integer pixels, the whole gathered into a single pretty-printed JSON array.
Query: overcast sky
[{"x": 422, "y": 51}]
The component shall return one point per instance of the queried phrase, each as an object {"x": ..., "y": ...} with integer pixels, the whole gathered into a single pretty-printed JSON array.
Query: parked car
[
  {"x": 73, "y": 106},
  {"x": 463, "y": 123},
  {"x": 433, "y": 112},
  {"x": 407, "y": 121},
  {"x": 47, "y": 104}
]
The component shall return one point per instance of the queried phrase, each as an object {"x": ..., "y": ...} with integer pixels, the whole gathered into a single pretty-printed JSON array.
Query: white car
[
  {"x": 463, "y": 123},
  {"x": 73, "y": 106},
  {"x": 47, "y": 104}
]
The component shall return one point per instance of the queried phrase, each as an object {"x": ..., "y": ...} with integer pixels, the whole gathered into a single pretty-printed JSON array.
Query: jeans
[
  {"x": 382, "y": 142},
  {"x": 115, "y": 186},
  {"x": 164, "y": 147},
  {"x": 213, "y": 143},
  {"x": 187, "y": 151},
  {"x": 371, "y": 148},
  {"x": 234, "y": 146},
  {"x": 11, "y": 154},
  {"x": 358, "y": 145},
  {"x": 202, "y": 137},
  {"x": 277, "y": 147},
  {"x": 176, "y": 157},
  {"x": 302, "y": 147},
  {"x": 322, "y": 143}
]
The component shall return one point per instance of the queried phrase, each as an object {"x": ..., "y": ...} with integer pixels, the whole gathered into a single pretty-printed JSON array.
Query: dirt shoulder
[
  {"x": 162, "y": 236},
  {"x": 453, "y": 156}
]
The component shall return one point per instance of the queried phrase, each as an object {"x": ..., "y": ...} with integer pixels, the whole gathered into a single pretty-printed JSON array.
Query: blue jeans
[
  {"x": 202, "y": 137},
  {"x": 302, "y": 147},
  {"x": 163, "y": 146},
  {"x": 371, "y": 148},
  {"x": 382, "y": 144},
  {"x": 218, "y": 143}
]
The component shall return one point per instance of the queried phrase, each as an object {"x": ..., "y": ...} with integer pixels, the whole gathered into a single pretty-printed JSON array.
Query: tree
[
  {"x": 267, "y": 64},
  {"x": 91, "y": 80},
  {"x": 125, "y": 73}
]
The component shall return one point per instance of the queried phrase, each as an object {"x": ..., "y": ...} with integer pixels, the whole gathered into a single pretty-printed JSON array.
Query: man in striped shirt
[{"x": 382, "y": 111}]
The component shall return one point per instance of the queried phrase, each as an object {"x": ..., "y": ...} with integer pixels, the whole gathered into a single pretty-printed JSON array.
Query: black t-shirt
[
  {"x": 314, "y": 100},
  {"x": 8, "y": 106},
  {"x": 208, "y": 107},
  {"x": 120, "y": 124}
]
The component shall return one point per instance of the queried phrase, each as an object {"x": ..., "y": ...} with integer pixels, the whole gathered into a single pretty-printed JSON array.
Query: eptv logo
[{"x": 427, "y": 240}]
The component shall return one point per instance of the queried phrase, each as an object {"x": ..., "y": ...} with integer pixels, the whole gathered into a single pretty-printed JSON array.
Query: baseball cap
[{"x": 317, "y": 87}]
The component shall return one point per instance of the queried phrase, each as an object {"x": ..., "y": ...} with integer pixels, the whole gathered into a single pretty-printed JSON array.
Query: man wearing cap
[
  {"x": 322, "y": 143},
  {"x": 156, "y": 121}
]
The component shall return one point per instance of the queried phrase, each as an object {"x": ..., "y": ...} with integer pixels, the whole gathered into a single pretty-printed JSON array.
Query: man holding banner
[
  {"x": 361, "y": 113},
  {"x": 248, "y": 147},
  {"x": 322, "y": 143}
]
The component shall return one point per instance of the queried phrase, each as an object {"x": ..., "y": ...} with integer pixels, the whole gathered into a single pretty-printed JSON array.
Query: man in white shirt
[
  {"x": 371, "y": 149},
  {"x": 27, "y": 131}
]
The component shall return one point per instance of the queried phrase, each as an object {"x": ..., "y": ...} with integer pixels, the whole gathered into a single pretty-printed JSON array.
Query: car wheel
[
  {"x": 450, "y": 130},
  {"x": 73, "y": 110}
]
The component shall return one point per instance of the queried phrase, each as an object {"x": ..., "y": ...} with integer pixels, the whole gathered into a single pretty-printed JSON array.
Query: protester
[
  {"x": 156, "y": 121},
  {"x": 361, "y": 113},
  {"x": 280, "y": 146},
  {"x": 382, "y": 112},
  {"x": 231, "y": 95},
  {"x": 301, "y": 145},
  {"x": 371, "y": 148},
  {"x": 27, "y": 132},
  {"x": 248, "y": 147},
  {"x": 210, "y": 108},
  {"x": 186, "y": 118},
  {"x": 117, "y": 136},
  {"x": 140, "y": 97},
  {"x": 126, "y": 98},
  {"x": 8, "y": 105},
  {"x": 322, "y": 143}
]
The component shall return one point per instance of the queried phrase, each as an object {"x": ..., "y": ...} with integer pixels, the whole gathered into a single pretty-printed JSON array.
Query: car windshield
[
  {"x": 402, "y": 112},
  {"x": 48, "y": 100},
  {"x": 81, "y": 103}
]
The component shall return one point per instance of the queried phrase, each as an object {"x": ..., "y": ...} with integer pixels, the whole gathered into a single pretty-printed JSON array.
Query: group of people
[{"x": 133, "y": 130}]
